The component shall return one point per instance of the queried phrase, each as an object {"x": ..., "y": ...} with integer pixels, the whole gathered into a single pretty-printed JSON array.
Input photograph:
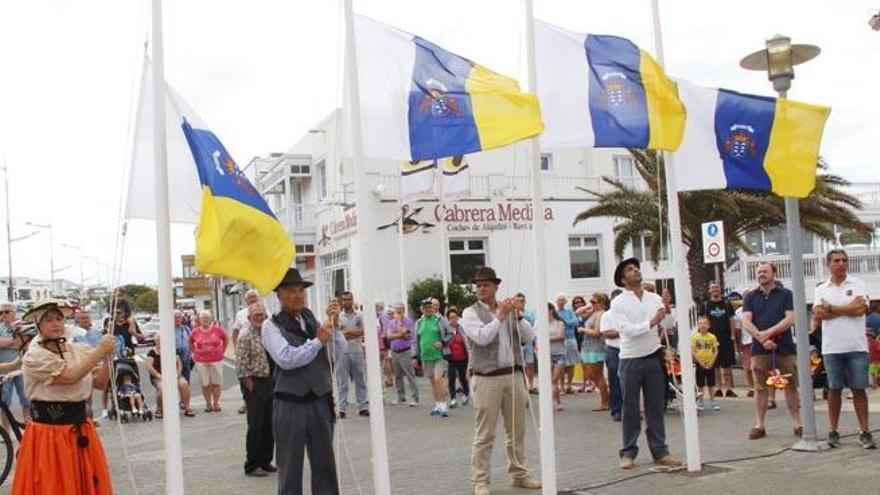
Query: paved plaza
[{"x": 432, "y": 456}]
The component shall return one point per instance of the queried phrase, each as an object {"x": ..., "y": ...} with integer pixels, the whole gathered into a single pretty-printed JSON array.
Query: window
[
  {"x": 584, "y": 256},
  {"x": 546, "y": 162},
  {"x": 624, "y": 170},
  {"x": 321, "y": 172},
  {"x": 642, "y": 248},
  {"x": 465, "y": 255}
]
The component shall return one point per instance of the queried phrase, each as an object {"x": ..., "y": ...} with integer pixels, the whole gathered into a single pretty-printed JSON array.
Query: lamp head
[{"x": 778, "y": 58}]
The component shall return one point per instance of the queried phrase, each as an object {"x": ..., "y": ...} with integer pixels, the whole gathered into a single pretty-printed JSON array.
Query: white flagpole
[
  {"x": 444, "y": 243},
  {"x": 539, "y": 297},
  {"x": 401, "y": 254},
  {"x": 378, "y": 441},
  {"x": 171, "y": 422},
  {"x": 682, "y": 287}
]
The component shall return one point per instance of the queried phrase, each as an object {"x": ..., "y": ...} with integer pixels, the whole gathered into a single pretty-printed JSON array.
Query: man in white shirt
[
  {"x": 841, "y": 303},
  {"x": 638, "y": 314}
]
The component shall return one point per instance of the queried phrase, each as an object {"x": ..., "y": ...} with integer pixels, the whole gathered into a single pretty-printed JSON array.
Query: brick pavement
[{"x": 431, "y": 456}]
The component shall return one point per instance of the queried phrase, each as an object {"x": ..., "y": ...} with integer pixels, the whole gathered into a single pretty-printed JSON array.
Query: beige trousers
[{"x": 506, "y": 395}]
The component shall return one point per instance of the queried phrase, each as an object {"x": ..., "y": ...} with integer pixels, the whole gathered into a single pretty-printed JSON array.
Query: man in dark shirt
[
  {"x": 768, "y": 315},
  {"x": 723, "y": 326}
]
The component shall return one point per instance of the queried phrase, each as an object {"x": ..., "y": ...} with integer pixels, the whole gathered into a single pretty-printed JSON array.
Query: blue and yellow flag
[
  {"x": 237, "y": 236},
  {"x": 603, "y": 91},
  {"x": 740, "y": 141},
  {"x": 422, "y": 102}
]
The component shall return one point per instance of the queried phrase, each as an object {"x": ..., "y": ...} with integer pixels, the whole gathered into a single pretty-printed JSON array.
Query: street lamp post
[
  {"x": 82, "y": 280},
  {"x": 778, "y": 59},
  {"x": 11, "y": 295},
  {"x": 48, "y": 227}
]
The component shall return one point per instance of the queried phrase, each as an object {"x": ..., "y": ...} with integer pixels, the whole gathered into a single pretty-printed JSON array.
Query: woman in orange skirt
[{"x": 60, "y": 451}]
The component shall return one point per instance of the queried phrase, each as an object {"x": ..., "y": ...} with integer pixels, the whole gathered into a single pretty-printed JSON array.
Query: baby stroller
[{"x": 127, "y": 368}]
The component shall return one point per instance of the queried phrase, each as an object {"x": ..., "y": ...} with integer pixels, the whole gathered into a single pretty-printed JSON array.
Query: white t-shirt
[
  {"x": 745, "y": 338},
  {"x": 241, "y": 322},
  {"x": 637, "y": 337},
  {"x": 844, "y": 333},
  {"x": 607, "y": 323}
]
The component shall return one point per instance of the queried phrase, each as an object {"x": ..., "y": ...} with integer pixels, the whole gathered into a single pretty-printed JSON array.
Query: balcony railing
[
  {"x": 298, "y": 217},
  {"x": 494, "y": 186},
  {"x": 741, "y": 275},
  {"x": 867, "y": 192}
]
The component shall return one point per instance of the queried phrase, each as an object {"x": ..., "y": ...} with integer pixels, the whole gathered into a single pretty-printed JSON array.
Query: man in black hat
[
  {"x": 496, "y": 331},
  {"x": 303, "y": 410},
  {"x": 637, "y": 314}
]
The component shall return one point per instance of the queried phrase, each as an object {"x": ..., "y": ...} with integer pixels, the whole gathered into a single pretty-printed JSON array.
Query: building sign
[
  {"x": 501, "y": 216},
  {"x": 713, "y": 242},
  {"x": 346, "y": 225}
]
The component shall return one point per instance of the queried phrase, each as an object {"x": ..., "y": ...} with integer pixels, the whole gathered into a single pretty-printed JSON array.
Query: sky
[{"x": 261, "y": 73}]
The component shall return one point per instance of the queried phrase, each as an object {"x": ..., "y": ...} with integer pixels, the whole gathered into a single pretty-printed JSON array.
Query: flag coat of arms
[
  {"x": 601, "y": 91},
  {"x": 740, "y": 141},
  {"x": 238, "y": 236},
  {"x": 421, "y": 102}
]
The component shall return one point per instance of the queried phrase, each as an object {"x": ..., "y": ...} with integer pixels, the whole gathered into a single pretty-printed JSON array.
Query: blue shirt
[
  {"x": 873, "y": 322},
  {"x": 768, "y": 310},
  {"x": 181, "y": 341},
  {"x": 571, "y": 322},
  {"x": 91, "y": 338}
]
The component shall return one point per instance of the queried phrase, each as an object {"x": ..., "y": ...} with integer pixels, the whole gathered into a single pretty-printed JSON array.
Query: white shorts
[{"x": 210, "y": 373}]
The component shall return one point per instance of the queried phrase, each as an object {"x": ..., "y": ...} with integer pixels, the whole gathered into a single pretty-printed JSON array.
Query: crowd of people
[{"x": 485, "y": 355}]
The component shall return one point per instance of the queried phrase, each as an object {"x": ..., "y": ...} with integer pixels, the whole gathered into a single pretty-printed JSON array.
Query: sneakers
[
  {"x": 715, "y": 405},
  {"x": 481, "y": 489},
  {"x": 465, "y": 400},
  {"x": 867, "y": 440},
  {"x": 526, "y": 482},
  {"x": 668, "y": 461},
  {"x": 700, "y": 406},
  {"x": 626, "y": 463},
  {"x": 731, "y": 394},
  {"x": 364, "y": 412},
  {"x": 833, "y": 439},
  {"x": 435, "y": 411},
  {"x": 256, "y": 473},
  {"x": 397, "y": 402},
  {"x": 453, "y": 404},
  {"x": 414, "y": 403}
]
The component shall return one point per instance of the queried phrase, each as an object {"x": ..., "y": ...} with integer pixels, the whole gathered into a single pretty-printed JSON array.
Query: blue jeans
[
  {"x": 848, "y": 369},
  {"x": 612, "y": 362},
  {"x": 15, "y": 385}
]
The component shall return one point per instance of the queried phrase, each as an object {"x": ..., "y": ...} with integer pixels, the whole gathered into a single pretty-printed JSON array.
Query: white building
[{"x": 311, "y": 190}]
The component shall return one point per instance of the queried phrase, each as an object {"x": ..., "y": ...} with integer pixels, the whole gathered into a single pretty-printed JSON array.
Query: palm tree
[{"x": 637, "y": 212}]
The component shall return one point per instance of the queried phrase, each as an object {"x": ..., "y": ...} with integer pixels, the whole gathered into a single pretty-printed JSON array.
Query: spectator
[
  {"x": 745, "y": 341},
  {"x": 255, "y": 374},
  {"x": 874, "y": 350},
  {"x": 241, "y": 326},
  {"x": 433, "y": 337},
  {"x": 350, "y": 361},
  {"x": 638, "y": 314},
  {"x": 593, "y": 348},
  {"x": 723, "y": 326},
  {"x": 768, "y": 315},
  {"x": 572, "y": 357},
  {"x": 608, "y": 329},
  {"x": 873, "y": 319},
  {"x": 704, "y": 347},
  {"x": 90, "y": 338},
  {"x": 208, "y": 343},
  {"x": 556, "y": 329},
  {"x": 383, "y": 317},
  {"x": 154, "y": 368},
  {"x": 841, "y": 304},
  {"x": 582, "y": 312},
  {"x": 400, "y": 329},
  {"x": 458, "y": 360},
  {"x": 529, "y": 355},
  {"x": 9, "y": 348},
  {"x": 182, "y": 332}
]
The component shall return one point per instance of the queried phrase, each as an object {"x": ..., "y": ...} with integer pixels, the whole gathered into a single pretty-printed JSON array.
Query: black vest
[{"x": 313, "y": 377}]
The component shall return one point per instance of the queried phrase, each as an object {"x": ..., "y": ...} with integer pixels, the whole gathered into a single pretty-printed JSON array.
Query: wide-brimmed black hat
[
  {"x": 292, "y": 277},
  {"x": 618, "y": 272},
  {"x": 483, "y": 274}
]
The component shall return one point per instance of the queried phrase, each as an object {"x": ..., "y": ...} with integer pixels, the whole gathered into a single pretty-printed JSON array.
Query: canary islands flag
[
  {"x": 237, "y": 236},
  {"x": 739, "y": 141},
  {"x": 603, "y": 91},
  {"x": 421, "y": 102}
]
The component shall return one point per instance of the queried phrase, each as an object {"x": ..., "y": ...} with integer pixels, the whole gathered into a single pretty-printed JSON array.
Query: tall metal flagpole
[
  {"x": 171, "y": 422},
  {"x": 682, "y": 287},
  {"x": 539, "y": 297},
  {"x": 378, "y": 440}
]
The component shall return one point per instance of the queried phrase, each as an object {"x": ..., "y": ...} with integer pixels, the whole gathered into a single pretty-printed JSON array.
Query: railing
[
  {"x": 741, "y": 274},
  {"x": 302, "y": 216},
  {"x": 867, "y": 192},
  {"x": 492, "y": 186}
]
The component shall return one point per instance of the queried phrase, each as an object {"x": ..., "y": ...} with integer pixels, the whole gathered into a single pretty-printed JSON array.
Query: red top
[
  {"x": 458, "y": 348},
  {"x": 874, "y": 348},
  {"x": 208, "y": 346}
]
